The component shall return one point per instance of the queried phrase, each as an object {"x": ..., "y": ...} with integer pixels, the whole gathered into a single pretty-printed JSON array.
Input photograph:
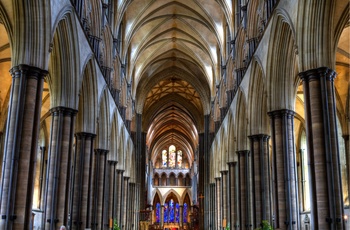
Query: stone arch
[
  {"x": 114, "y": 138},
  {"x": 231, "y": 139},
  {"x": 87, "y": 113},
  {"x": 242, "y": 122},
  {"x": 257, "y": 105},
  {"x": 102, "y": 139},
  {"x": 186, "y": 196},
  {"x": 121, "y": 152},
  {"x": 283, "y": 67},
  {"x": 31, "y": 46},
  {"x": 171, "y": 194},
  {"x": 64, "y": 64},
  {"x": 315, "y": 42}
]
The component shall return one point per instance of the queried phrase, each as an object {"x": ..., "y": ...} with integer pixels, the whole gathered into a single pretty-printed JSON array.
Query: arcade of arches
[{"x": 174, "y": 114}]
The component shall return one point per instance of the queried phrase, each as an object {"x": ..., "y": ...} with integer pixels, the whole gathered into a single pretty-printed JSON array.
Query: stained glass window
[
  {"x": 179, "y": 158},
  {"x": 172, "y": 156},
  {"x": 177, "y": 212},
  {"x": 185, "y": 213},
  {"x": 166, "y": 213},
  {"x": 165, "y": 158},
  {"x": 158, "y": 213},
  {"x": 171, "y": 211}
]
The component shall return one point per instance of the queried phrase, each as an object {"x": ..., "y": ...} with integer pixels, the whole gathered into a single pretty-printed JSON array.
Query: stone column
[
  {"x": 108, "y": 193},
  {"x": 320, "y": 113},
  {"x": 347, "y": 155},
  {"x": 285, "y": 186},
  {"x": 261, "y": 179},
  {"x": 125, "y": 202},
  {"x": 113, "y": 190},
  {"x": 244, "y": 190},
  {"x": 20, "y": 146},
  {"x": 224, "y": 198},
  {"x": 59, "y": 167},
  {"x": 232, "y": 195},
  {"x": 98, "y": 188},
  {"x": 119, "y": 200},
  {"x": 82, "y": 182},
  {"x": 212, "y": 221},
  {"x": 218, "y": 202}
]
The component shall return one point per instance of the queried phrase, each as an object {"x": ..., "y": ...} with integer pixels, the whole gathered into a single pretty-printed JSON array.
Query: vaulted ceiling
[{"x": 173, "y": 53}]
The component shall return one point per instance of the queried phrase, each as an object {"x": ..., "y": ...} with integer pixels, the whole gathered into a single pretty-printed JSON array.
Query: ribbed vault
[{"x": 173, "y": 50}]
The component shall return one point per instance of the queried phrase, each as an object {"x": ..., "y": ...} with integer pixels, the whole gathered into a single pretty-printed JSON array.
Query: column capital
[
  {"x": 121, "y": 171},
  {"x": 224, "y": 172},
  {"x": 281, "y": 112},
  {"x": 81, "y": 135},
  {"x": 317, "y": 73},
  {"x": 217, "y": 178},
  {"x": 242, "y": 152},
  {"x": 101, "y": 151},
  {"x": 28, "y": 71},
  {"x": 113, "y": 162},
  {"x": 232, "y": 163},
  {"x": 253, "y": 137},
  {"x": 65, "y": 110}
]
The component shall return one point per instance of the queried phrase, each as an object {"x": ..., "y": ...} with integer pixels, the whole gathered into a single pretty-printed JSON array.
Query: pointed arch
[
  {"x": 257, "y": 109},
  {"x": 102, "y": 139},
  {"x": 282, "y": 65},
  {"x": 87, "y": 112},
  {"x": 241, "y": 128},
  {"x": 64, "y": 64}
]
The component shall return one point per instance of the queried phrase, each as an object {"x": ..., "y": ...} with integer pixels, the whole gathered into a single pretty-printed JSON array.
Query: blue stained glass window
[
  {"x": 158, "y": 213},
  {"x": 185, "y": 213},
  {"x": 171, "y": 211},
  {"x": 166, "y": 211},
  {"x": 177, "y": 212}
]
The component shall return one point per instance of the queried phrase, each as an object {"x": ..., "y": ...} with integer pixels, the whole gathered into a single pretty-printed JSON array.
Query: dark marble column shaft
[
  {"x": 244, "y": 189},
  {"x": 125, "y": 202},
  {"x": 323, "y": 148},
  {"x": 232, "y": 195},
  {"x": 59, "y": 167},
  {"x": 82, "y": 182},
  {"x": 261, "y": 179},
  {"x": 218, "y": 203},
  {"x": 224, "y": 198},
  {"x": 285, "y": 186},
  {"x": 20, "y": 146}
]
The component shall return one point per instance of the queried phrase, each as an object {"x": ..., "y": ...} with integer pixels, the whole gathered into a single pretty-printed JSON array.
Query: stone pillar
[
  {"x": 232, "y": 195},
  {"x": 347, "y": 155},
  {"x": 59, "y": 167},
  {"x": 320, "y": 113},
  {"x": 108, "y": 193},
  {"x": 261, "y": 179},
  {"x": 285, "y": 185},
  {"x": 119, "y": 200},
  {"x": 245, "y": 221},
  {"x": 125, "y": 202},
  {"x": 212, "y": 221},
  {"x": 113, "y": 179},
  {"x": 98, "y": 188},
  {"x": 224, "y": 198},
  {"x": 82, "y": 180},
  {"x": 20, "y": 146},
  {"x": 218, "y": 203}
]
